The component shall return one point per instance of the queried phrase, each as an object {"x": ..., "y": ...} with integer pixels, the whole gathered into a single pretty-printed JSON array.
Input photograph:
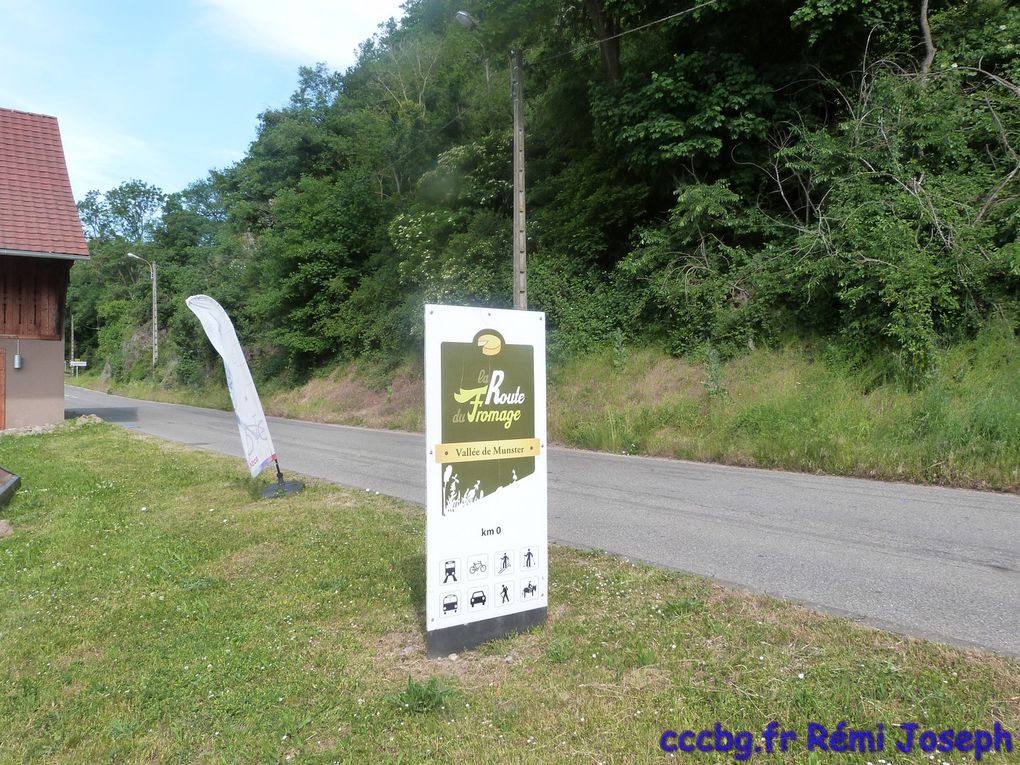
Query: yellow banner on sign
[{"x": 476, "y": 451}]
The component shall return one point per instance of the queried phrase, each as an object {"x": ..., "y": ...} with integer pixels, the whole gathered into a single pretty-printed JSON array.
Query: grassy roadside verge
[
  {"x": 151, "y": 610},
  {"x": 798, "y": 410},
  {"x": 795, "y": 408},
  {"x": 209, "y": 396},
  {"x": 366, "y": 395}
]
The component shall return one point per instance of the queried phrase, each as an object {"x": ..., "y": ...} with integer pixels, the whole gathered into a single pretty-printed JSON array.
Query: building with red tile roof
[{"x": 40, "y": 238}]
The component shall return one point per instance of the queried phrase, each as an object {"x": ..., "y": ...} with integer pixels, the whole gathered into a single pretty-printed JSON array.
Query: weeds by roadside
[{"x": 804, "y": 410}]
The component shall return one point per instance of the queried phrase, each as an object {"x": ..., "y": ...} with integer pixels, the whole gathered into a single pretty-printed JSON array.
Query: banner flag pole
[
  {"x": 251, "y": 419},
  {"x": 281, "y": 488}
]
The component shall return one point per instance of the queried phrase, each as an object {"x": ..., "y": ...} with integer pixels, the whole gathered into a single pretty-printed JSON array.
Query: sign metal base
[
  {"x": 282, "y": 489},
  {"x": 443, "y": 642}
]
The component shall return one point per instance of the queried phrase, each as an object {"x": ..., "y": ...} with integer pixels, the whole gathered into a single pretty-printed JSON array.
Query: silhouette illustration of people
[
  {"x": 528, "y": 559},
  {"x": 505, "y": 595},
  {"x": 505, "y": 560}
]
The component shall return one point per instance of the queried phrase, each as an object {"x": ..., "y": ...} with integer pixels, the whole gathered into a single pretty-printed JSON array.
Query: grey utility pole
[
  {"x": 155, "y": 312},
  {"x": 520, "y": 222},
  {"x": 155, "y": 317},
  {"x": 520, "y": 241}
]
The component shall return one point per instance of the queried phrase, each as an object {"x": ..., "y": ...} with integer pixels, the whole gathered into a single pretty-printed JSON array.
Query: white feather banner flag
[{"x": 251, "y": 420}]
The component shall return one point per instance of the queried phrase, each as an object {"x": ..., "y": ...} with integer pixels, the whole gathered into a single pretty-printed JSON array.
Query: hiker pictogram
[
  {"x": 504, "y": 594},
  {"x": 529, "y": 559}
]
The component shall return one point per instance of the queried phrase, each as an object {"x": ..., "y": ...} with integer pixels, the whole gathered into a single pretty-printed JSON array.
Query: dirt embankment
[{"x": 353, "y": 395}]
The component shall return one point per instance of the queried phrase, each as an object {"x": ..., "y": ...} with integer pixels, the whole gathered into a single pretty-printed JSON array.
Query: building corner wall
[{"x": 35, "y": 393}]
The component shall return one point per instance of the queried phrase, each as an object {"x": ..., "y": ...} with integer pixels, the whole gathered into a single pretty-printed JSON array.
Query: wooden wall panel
[{"x": 32, "y": 294}]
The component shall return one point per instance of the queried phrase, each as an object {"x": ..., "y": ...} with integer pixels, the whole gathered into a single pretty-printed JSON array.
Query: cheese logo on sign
[{"x": 490, "y": 344}]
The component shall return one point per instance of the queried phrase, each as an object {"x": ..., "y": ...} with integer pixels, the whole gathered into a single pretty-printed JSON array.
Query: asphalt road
[{"x": 927, "y": 561}]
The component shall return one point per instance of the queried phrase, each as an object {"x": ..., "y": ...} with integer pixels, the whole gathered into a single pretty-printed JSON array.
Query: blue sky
[{"x": 165, "y": 91}]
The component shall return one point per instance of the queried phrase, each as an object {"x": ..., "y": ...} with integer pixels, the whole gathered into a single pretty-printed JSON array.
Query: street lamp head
[
  {"x": 466, "y": 20},
  {"x": 132, "y": 255}
]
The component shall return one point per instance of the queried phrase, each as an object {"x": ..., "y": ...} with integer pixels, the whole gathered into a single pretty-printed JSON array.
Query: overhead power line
[
  {"x": 436, "y": 131},
  {"x": 626, "y": 32}
]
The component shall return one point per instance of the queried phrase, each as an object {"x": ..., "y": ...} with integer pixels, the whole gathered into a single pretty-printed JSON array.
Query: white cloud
[
  {"x": 302, "y": 31},
  {"x": 170, "y": 90},
  {"x": 101, "y": 158}
]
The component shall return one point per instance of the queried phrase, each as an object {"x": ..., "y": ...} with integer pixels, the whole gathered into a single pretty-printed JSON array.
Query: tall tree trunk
[
  {"x": 929, "y": 46},
  {"x": 606, "y": 29}
]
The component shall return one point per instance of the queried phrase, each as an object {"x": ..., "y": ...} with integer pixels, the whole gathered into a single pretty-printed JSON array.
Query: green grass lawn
[{"x": 152, "y": 609}]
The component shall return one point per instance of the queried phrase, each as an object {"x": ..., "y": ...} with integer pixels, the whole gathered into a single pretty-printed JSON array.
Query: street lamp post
[
  {"x": 520, "y": 238},
  {"x": 155, "y": 314},
  {"x": 520, "y": 224},
  {"x": 468, "y": 21}
]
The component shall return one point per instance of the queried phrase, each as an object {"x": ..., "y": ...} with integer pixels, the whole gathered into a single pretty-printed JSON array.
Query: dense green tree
[{"x": 717, "y": 173}]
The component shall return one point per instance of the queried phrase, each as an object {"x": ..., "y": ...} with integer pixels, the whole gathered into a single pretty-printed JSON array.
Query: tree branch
[{"x": 995, "y": 78}]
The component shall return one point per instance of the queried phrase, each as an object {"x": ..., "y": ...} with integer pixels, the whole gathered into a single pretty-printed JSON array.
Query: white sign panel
[
  {"x": 487, "y": 527},
  {"x": 251, "y": 420}
]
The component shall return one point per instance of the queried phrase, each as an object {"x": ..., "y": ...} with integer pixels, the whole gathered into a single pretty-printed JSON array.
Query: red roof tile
[{"x": 37, "y": 210}]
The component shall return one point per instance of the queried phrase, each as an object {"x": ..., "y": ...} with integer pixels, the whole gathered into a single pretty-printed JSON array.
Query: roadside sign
[
  {"x": 78, "y": 363},
  {"x": 486, "y": 510},
  {"x": 9, "y": 483}
]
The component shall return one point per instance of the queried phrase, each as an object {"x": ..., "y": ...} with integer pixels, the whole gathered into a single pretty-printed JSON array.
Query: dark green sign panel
[{"x": 487, "y": 397}]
